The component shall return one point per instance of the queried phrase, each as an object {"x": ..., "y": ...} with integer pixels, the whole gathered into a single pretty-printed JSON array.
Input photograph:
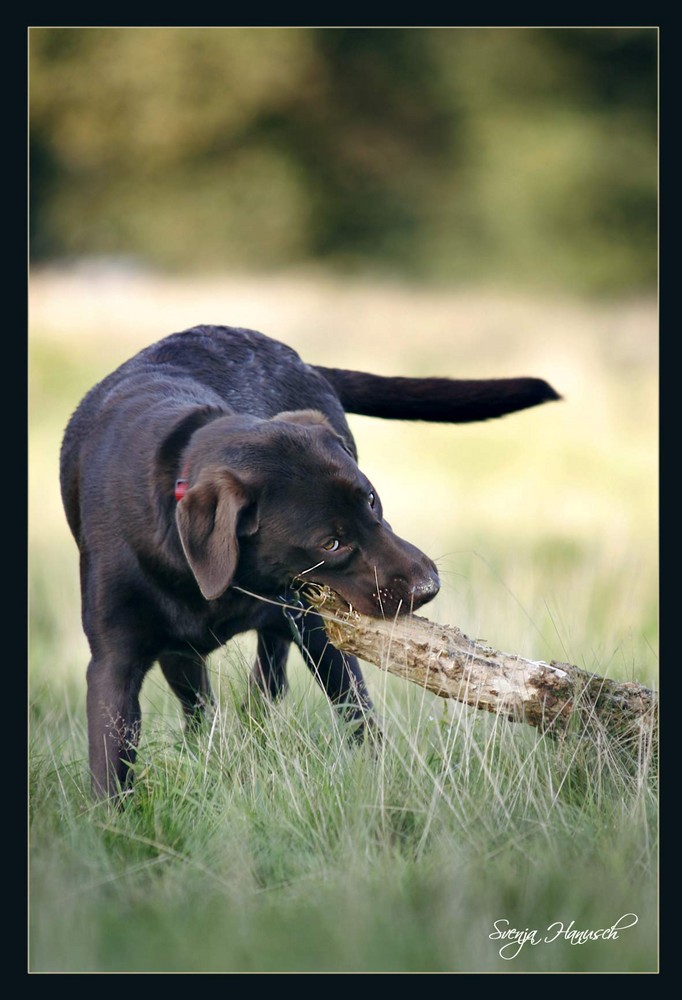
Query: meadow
[{"x": 272, "y": 844}]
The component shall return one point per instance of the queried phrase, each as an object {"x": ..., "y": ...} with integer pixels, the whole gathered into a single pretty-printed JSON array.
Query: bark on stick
[{"x": 442, "y": 659}]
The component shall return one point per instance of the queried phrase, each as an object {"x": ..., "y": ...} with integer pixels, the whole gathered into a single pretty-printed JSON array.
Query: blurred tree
[{"x": 525, "y": 155}]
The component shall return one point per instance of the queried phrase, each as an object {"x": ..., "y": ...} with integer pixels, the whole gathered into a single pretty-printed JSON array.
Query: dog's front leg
[{"x": 113, "y": 708}]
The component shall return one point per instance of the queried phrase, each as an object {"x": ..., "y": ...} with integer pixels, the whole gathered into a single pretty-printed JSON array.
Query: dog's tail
[{"x": 442, "y": 400}]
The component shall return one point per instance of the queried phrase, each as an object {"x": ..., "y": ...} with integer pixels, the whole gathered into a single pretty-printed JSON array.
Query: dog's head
[{"x": 271, "y": 503}]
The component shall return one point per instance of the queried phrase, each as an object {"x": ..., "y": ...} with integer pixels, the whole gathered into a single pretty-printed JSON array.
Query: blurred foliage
[{"x": 449, "y": 154}]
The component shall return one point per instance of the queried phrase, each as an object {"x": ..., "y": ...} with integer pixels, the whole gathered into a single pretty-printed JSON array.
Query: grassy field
[{"x": 271, "y": 845}]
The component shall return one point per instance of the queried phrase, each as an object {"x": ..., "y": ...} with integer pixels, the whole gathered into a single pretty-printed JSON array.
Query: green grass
[{"x": 272, "y": 844}]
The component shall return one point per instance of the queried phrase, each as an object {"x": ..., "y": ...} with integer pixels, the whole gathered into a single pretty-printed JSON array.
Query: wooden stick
[{"x": 444, "y": 660}]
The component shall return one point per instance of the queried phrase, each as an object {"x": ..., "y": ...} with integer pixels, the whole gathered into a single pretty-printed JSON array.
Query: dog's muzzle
[
  {"x": 402, "y": 596},
  {"x": 422, "y": 593}
]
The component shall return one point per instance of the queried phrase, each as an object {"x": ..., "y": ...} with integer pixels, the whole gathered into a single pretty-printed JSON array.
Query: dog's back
[
  {"x": 248, "y": 372},
  {"x": 234, "y": 369}
]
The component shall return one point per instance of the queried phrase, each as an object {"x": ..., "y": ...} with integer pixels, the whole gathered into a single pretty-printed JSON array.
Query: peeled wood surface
[{"x": 442, "y": 659}]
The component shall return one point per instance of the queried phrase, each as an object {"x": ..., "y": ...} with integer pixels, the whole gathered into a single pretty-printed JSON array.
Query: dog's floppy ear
[{"x": 207, "y": 519}]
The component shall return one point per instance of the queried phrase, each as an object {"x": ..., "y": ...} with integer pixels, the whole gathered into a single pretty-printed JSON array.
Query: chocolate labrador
[{"x": 205, "y": 477}]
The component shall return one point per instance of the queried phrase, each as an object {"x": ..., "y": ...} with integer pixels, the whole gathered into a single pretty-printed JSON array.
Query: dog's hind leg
[
  {"x": 337, "y": 673},
  {"x": 188, "y": 678},
  {"x": 269, "y": 673}
]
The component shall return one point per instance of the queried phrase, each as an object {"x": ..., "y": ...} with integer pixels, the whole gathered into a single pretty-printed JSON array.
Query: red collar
[{"x": 182, "y": 484}]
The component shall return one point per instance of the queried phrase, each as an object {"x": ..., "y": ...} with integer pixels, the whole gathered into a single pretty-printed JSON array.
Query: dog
[{"x": 201, "y": 480}]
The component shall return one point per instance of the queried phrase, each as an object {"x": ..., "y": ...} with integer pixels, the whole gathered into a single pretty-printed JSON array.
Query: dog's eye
[
  {"x": 372, "y": 500},
  {"x": 331, "y": 545}
]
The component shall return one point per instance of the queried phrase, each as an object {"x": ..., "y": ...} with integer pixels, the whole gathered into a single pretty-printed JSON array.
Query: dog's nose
[{"x": 424, "y": 591}]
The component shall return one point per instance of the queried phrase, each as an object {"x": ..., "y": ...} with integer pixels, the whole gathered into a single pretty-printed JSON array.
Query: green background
[{"x": 448, "y": 154}]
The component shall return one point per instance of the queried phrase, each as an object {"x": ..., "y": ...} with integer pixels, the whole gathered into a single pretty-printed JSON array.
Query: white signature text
[{"x": 514, "y": 940}]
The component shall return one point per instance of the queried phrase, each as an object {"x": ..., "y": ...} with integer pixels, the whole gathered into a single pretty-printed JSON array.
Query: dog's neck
[{"x": 182, "y": 484}]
